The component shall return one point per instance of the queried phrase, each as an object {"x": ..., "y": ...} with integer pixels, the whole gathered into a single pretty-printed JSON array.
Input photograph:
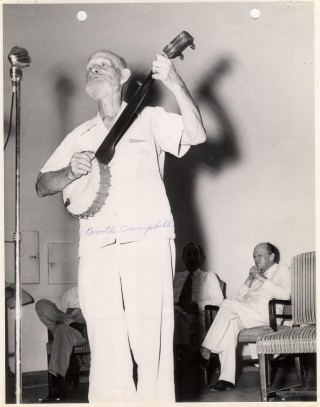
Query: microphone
[{"x": 19, "y": 59}]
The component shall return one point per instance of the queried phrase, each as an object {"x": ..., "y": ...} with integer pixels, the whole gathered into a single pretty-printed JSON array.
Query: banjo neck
[{"x": 106, "y": 150}]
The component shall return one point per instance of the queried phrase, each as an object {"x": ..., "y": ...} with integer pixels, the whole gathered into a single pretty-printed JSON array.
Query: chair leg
[
  {"x": 269, "y": 370},
  {"x": 72, "y": 375},
  {"x": 50, "y": 376},
  {"x": 263, "y": 376},
  {"x": 299, "y": 371},
  {"x": 205, "y": 377}
]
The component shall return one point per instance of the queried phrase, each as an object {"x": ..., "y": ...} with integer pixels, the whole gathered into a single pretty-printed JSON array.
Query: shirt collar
[
  {"x": 195, "y": 273},
  {"x": 271, "y": 270}
]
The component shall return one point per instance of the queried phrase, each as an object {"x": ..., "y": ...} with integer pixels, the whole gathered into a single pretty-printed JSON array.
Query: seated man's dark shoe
[
  {"x": 54, "y": 397},
  {"x": 222, "y": 385},
  {"x": 203, "y": 363}
]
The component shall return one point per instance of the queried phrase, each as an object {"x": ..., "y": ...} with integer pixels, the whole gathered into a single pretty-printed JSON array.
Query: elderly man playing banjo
[{"x": 126, "y": 249}]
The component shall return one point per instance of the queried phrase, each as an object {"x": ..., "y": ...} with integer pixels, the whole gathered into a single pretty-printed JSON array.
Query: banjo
[{"x": 85, "y": 196}]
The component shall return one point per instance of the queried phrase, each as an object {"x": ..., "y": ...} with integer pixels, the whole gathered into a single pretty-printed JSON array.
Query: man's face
[
  {"x": 103, "y": 74},
  {"x": 262, "y": 258},
  {"x": 192, "y": 258}
]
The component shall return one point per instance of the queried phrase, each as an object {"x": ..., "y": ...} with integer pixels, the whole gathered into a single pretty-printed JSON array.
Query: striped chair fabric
[
  {"x": 76, "y": 350},
  {"x": 301, "y": 338},
  {"x": 304, "y": 289},
  {"x": 289, "y": 340},
  {"x": 250, "y": 335}
]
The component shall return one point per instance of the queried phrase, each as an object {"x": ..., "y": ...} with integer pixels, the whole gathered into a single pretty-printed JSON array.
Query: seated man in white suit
[{"x": 267, "y": 279}]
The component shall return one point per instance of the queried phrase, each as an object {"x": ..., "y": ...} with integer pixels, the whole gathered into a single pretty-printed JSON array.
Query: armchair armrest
[
  {"x": 273, "y": 312},
  {"x": 210, "y": 312}
]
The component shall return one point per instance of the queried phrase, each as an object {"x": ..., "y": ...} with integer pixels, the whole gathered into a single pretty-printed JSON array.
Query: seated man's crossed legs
[
  {"x": 222, "y": 336},
  {"x": 68, "y": 331}
]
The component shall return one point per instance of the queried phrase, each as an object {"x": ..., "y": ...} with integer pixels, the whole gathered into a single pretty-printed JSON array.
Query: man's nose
[{"x": 95, "y": 69}]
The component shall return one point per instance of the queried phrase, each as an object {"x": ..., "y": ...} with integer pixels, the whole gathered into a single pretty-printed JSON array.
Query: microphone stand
[
  {"x": 19, "y": 59},
  {"x": 16, "y": 75}
]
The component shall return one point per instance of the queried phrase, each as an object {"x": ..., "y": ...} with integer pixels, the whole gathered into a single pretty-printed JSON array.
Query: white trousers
[
  {"x": 222, "y": 336},
  {"x": 126, "y": 296}
]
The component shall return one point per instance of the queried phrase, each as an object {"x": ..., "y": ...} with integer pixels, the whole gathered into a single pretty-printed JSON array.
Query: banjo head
[{"x": 85, "y": 196}]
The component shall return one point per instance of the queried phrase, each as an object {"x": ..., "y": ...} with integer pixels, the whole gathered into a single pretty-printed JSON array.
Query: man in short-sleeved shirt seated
[{"x": 68, "y": 327}]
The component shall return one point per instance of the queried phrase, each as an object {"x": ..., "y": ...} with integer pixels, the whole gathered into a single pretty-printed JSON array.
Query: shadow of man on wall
[
  {"x": 219, "y": 150},
  {"x": 65, "y": 92}
]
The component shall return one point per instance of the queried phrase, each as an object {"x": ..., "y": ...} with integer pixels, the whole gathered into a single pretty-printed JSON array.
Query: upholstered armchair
[{"x": 301, "y": 338}]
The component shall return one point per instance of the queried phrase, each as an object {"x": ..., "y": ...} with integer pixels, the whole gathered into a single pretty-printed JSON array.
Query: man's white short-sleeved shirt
[
  {"x": 137, "y": 206},
  {"x": 70, "y": 299}
]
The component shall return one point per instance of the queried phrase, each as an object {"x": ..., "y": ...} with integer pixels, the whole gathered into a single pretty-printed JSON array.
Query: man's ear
[
  {"x": 125, "y": 75},
  {"x": 272, "y": 256}
]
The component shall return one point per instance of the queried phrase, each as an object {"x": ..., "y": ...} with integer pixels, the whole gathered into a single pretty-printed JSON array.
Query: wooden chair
[
  {"x": 301, "y": 338},
  {"x": 74, "y": 369},
  {"x": 250, "y": 335}
]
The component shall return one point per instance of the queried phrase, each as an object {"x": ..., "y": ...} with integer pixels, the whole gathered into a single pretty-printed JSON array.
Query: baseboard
[{"x": 34, "y": 373}]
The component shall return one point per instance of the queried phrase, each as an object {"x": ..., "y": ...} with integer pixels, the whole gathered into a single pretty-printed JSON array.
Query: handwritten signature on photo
[{"x": 129, "y": 228}]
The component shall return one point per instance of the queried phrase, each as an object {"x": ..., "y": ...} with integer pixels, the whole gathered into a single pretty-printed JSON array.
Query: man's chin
[{"x": 93, "y": 93}]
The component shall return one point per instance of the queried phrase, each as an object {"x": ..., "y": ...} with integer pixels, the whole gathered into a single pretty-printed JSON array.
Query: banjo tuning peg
[{"x": 181, "y": 57}]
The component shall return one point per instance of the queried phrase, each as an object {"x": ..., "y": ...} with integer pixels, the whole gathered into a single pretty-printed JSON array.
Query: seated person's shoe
[
  {"x": 202, "y": 362},
  {"x": 222, "y": 385},
  {"x": 54, "y": 397}
]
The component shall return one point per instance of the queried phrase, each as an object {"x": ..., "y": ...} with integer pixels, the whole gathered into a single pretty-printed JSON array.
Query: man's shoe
[
  {"x": 203, "y": 363},
  {"x": 222, "y": 385},
  {"x": 53, "y": 397}
]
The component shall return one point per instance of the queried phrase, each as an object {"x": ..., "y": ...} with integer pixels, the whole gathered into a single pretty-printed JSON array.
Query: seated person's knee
[{"x": 42, "y": 306}]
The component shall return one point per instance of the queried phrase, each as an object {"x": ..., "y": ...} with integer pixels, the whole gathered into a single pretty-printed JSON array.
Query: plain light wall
[{"x": 252, "y": 181}]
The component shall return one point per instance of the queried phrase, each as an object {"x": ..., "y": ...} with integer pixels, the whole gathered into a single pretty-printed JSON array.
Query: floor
[
  {"x": 189, "y": 383},
  {"x": 190, "y": 388}
]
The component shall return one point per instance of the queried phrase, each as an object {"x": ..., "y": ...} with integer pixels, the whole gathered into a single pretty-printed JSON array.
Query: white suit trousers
[
  {"x": 126, "y": 296},
  {"x": 222, "y": 336}
]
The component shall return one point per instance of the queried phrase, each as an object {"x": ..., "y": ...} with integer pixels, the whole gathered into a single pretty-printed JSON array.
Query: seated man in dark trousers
[
  {"x": 68, "y": 327},
  {"x": 193, "y": 290}
]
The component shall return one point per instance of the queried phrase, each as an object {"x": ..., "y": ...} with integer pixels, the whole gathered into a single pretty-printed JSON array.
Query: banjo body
[{"x": 85, "y": 196}]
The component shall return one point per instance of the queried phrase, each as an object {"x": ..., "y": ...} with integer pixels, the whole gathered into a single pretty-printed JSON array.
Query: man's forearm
[
  {"x": 249, "y": 281},
  {"x": 49, "y": 183},
  {"x": 194, "y": 131}
]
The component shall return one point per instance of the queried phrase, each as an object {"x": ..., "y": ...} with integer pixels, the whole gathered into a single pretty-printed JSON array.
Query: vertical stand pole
[
  {"x": 17, "y": 243},
  {"x": 19, "y": 58}
]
